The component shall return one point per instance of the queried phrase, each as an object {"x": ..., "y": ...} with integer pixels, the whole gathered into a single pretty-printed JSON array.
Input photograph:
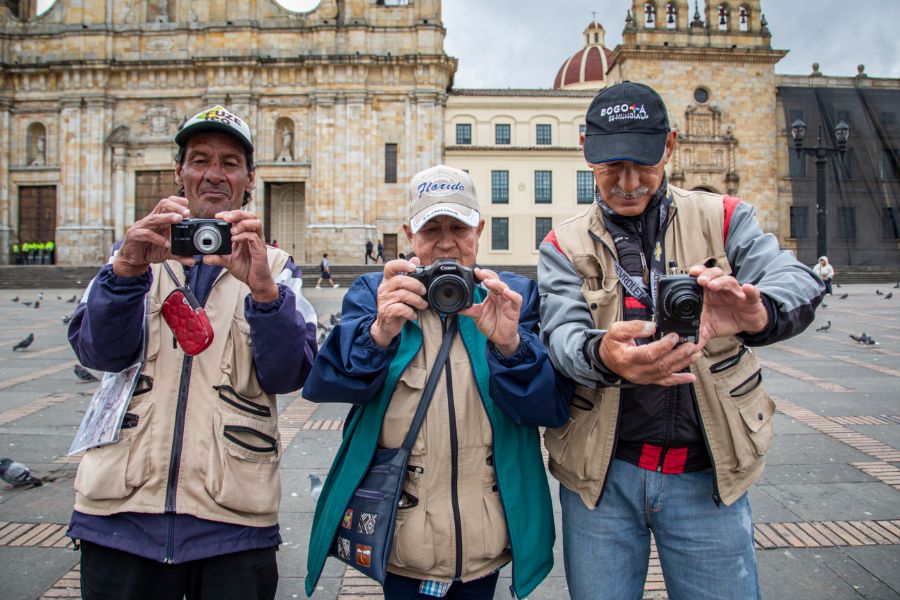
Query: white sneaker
[
  {"x": 336, "y": 285},
  {"x": 318, "y": 287}
]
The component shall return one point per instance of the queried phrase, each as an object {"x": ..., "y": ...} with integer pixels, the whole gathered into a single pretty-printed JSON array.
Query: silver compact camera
[{"x": 201, "y": 236}]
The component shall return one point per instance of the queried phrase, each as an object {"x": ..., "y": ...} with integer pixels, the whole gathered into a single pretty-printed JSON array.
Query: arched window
[
  {"x": 649, "y": 16},
  {"x": 671, "y": 15},
  {"x": 744, "y": 21},
  {"x": 724, "y": 14},
  {"x": 36, "y": 145}
]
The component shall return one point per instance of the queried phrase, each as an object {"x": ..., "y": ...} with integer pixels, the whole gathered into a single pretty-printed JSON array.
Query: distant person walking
[
  {"x": 369, "y": 254},
  {"x": 325, "y": 273},
  {"x": 825, "y": 272},
  {"x": 380, "y": 252}
]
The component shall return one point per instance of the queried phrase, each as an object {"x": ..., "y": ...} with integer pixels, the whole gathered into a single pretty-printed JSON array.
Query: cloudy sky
[{"x": 522, "y": 43}]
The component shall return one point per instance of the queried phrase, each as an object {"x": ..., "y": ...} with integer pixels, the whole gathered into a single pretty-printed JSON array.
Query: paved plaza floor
[{"x": 826, "y": 511}]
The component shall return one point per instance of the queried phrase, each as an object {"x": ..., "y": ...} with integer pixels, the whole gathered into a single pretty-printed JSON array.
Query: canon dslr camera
[
  {"x": 201, "y": 236},
  {"x": 679, "y": 303},
  {"x": 449, "y": 286}
]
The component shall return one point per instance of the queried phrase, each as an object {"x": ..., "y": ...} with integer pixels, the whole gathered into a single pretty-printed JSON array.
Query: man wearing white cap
[
  {"x": 185, "y": 503},
  {"x": 475, "y": 496}
]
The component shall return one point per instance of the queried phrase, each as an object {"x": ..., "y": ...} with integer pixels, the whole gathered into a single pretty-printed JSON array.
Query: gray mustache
[{"x": 633, "y": 195}]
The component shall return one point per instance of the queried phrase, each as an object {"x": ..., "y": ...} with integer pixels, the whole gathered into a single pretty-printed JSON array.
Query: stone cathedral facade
[{"x": 345, "y": 101}]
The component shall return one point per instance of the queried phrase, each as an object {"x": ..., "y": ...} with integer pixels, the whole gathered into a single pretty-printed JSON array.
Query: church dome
[{"x": 586, "y": 69}]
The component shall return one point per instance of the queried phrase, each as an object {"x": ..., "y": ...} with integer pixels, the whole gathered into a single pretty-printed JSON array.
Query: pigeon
[
  {"x": 72, "y": 299},
  {"x": 837, "y": 284},
  {"x": 17, "y": 474},
  {"x": 37, "y": 303},
  {"x": 40, "y": 295},
  {"x": 83, "y": 374},
  {"x": 897, "y": 285},
  {"x": 315, "y": 486},
  {"x": 869, "y": 340},
  {"x": 24, "y": 343},
  {"x": 823, "y": 305},
  {"x": 15, "y": 299},
  {"x": 29, "y": 303},
  {"x": 879, "y": 293},
  {"x": 843, "y": 296},
  {"x": 66, "y": 319},
  {"x": 824, "y": 327},
  {"x": 889, "y": 296},
  {"x": 334, "y": 319}
]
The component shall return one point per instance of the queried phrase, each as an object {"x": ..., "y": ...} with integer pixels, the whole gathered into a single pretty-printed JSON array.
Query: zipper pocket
[
  {"x": 229, "y": 395},
  {"x": 369, "y": 494},
  {"x": 581, "y": 403},
  {"x": 724, "y": 365},
  {"x": 747, "y": 386},
  {"x": 230, "y": 431}
]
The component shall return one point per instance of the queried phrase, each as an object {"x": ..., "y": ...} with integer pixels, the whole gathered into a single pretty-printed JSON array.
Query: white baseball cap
[
  {"x": 217, "y": 118},
  {"x": 442, "y": 190}
]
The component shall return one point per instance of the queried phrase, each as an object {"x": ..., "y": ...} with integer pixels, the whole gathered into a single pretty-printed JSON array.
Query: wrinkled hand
[
  {"x": 398, "y": 299},
  {"x": 497, "y": 317},
  {"x": 248, "y": 261},
  {"x": 148, "y": 240},
  {"x": 658, "y": 362},
  {"x": 728, "y": 306}
]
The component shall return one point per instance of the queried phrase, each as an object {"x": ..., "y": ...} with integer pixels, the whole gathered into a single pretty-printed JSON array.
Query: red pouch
[{"x": 188, "y": 321}]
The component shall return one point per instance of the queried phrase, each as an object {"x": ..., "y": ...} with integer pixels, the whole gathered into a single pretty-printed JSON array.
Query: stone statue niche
[
  {"x": 284, "y": 140},
  {"x": 36, "y": 145},
  {"x": 159, "y": 11}
]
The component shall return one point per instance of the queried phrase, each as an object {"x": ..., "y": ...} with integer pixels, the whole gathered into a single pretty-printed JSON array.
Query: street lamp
[{"x": 820, "y": 152}]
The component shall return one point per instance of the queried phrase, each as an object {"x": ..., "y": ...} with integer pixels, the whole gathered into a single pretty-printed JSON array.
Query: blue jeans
[
  {"x": 397, "y": 587},
  {"x": 706, "y": 551}
]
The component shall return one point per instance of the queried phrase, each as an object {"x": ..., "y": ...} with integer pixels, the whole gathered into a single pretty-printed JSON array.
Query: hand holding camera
[
  {"x": 147, "y": 241},
  {"x": 729, "y": 307}
]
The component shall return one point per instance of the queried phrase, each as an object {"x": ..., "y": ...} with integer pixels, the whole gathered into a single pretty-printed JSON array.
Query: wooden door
[
  {"x": 149, "y": 188},
  {"x": 286, "y": 218},
  {"x": 390, "y": 246},
  {"x": 37, "y": 214}
]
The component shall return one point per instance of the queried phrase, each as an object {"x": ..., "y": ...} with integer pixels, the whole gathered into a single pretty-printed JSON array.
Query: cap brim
[
  {"x": 643, "y": 148},
  {"x": 187, "y": 131},
  {"x": 461, "y": 213}
]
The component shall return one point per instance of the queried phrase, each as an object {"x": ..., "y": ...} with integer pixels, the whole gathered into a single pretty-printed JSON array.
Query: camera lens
[
  {"x": 448, "y": 294},
  {"x": 207, "y": 239},
  {"x": 684, "y": 302}
]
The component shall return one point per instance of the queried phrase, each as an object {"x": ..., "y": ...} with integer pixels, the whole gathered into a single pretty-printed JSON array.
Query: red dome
[{"x": 586, "y": 68}]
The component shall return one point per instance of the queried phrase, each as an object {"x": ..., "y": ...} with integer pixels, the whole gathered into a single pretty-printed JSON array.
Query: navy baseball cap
[{"x": 626, "y": 121}]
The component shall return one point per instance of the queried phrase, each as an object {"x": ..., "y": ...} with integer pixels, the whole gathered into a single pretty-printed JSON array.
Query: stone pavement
[{"x": 827, "y": 510}]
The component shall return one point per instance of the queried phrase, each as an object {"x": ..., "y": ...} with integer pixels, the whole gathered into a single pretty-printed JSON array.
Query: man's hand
[
  {"x": 498, "y": 316},
  {"x": 147, "y": 241},
  {"x": 658, "y": 362},
  {"x": 728, "y": 306},
  {"x": 398, "y": 299},
  {"x": 248, "y": 261}
]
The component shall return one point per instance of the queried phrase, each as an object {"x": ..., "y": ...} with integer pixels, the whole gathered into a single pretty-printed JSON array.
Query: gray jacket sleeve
[
  {"x": 791, "y": 291},
  {"x": 566, "y": 322}
]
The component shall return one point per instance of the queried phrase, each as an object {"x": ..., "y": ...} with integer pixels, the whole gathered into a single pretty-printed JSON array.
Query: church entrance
[
  {"x": 149, "y": 188},
  {"x": 286, "y": 218},
  {"x": 37, "y": 215}
]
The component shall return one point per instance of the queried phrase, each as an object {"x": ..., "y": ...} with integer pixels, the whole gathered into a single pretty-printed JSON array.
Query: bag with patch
[
  {"x": 366, "y": 532},
  {"x": 186, "y": 318}
]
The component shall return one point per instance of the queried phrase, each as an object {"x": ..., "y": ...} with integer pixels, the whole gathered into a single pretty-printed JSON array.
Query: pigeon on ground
[
  {"x": 72, "y": 299},
  {"x": 315, "y": 486},
  {"x": 334, "y": 319},
  {"x": 823, "y": 305},
  {"x": 24, "y": 343},
  {"x": 843, "y": 296},
  {"x": 28, "y": 303},
  {"x": 17, "y": 474},
  {"x": 869, "y": 340},
  {"x": 879, "y": 293},
  {"x": 15, "y": 299},
  {"x": 59, "y": 297},
  {"x": 837, "y": 284},
  {"x": 66, "y": 319},
  {"x": 889, "y": 296},
  {"x": 824, "y": 327},
  {"x": 83, "y": 374},
  {"x": 40, "y": 295},
  {"x": 37, "y": 303}
]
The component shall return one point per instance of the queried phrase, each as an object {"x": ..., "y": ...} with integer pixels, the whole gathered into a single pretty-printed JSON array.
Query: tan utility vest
[
  {"x": 425, "y": 535},
  {"x": 738, "y": 428},
  {"x": 219, "y": 477}
]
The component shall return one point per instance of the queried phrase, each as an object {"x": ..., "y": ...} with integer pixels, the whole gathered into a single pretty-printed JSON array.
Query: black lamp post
[{"x": 820, "y": 152}]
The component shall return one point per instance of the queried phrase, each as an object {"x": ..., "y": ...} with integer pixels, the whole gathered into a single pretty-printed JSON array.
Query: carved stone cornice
[{"x": 698, "y": 54}]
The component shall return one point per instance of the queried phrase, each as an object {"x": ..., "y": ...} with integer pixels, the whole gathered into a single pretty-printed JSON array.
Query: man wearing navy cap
[
  {"x": 667, "y": 430},
  {"x": 185, "y": 503}
]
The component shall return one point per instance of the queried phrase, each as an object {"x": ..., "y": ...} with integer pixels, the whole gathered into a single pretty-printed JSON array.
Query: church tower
[{"x": 714, "y": 66}]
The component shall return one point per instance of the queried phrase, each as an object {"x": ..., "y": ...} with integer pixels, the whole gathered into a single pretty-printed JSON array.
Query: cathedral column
[
  {"x": 119, "y": 160},
  {"x": 6, "y": 212}
]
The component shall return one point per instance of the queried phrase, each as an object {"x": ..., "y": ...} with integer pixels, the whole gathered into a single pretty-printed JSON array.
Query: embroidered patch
[
  {"x": 347, "y": 521},
  {"x": 366, "y": 523},
  {"x": 343, "y": 548},
  {"x": 363, "y": 555}
]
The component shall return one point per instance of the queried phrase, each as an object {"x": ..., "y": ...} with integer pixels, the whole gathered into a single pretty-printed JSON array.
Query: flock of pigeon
[
  {"x": 863, "y": 338},
  {"x": 325, "y": 329}
]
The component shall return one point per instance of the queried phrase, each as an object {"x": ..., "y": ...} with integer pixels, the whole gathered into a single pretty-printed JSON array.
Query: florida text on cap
[
  {"x": 217, "y": 118},
  {"x": 626, "y": 121},
  {"x": 442, "y": 190}
]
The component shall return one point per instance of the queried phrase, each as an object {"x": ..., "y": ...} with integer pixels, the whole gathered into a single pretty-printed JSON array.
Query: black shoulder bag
[{"x": 366, "y": 532}]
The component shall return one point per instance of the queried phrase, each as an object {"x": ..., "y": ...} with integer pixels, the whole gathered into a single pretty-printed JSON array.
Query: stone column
[
  {"x": 119, "y": 160},
  {"x": 6, "y": 209},
  {"x": 68, "y": 193}
]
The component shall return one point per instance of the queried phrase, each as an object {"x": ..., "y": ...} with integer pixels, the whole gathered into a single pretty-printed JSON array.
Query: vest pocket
[
  {"x": 237, "y": 360},
  {"x": 493, "y": 530},
  {"x": 242, "y": 473},
  {"x": 114, "y": 471},
  {"x": 748, "y": 411},
  {"x": 401, "y": 409},
  {"x": 574, "y": 445},
  {"x": 413, "y": 546}
]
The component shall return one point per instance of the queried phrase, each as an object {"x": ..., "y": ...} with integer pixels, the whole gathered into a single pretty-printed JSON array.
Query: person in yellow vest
[
  {"x": 669, "y": 422},
  {"x": 16, "y": 254}
]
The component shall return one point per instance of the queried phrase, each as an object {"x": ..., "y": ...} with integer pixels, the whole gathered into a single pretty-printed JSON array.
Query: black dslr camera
[
  {"x": 450, "y": 287},
  {"x": 201, "y": 236},
  {"x": 679, "y": 302}
]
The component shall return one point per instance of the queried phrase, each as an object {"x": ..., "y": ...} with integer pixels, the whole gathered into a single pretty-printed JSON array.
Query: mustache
[
  {"x": 632, "y": 195},
  {"x": 220, "y": 189}
]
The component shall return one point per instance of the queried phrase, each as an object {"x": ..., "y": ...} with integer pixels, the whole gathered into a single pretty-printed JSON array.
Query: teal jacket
[{"x": 520, "y": 474}]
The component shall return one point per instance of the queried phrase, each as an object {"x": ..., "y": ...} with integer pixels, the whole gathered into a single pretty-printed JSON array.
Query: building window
[
  {"x": 499, "y": 233},
  {"x": 542, "y": 226},
  {"x": 501, "y": 133},
  {"x": 793, "y": 115},
  {"x": 796, "y": 164},
  {"x": 798, "y": 222},
  {"x": 585, "y": 187},
  {"x": 463, "y": 133},
  {"x": 701, "y": 95},
  {"x": 543, "y": 187},
  {"x": 724, "y": 14},
  {"x": 542, "y": 134},
  {"x": 390, "y": 163},
  {"x": 649, "y": 16},
  {"x": 500, "y": 187},
  {"x": 843, "y": 115},
  {"x": 846, "y": 223},
  {"x": 844, "y": 165},
  {"x": 890, "y": 223},
  {"x": 889, "y": 168},
  {"x": 671, "y": 16}
]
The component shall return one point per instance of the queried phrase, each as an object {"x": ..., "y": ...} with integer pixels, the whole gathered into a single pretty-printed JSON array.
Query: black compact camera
[
  {"x": 201, "y": 236},
  {"x": 679, "y": 303},
  {"x": 450, "y": 287}
]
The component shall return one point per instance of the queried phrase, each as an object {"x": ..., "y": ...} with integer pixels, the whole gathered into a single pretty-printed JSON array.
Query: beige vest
[
  {"x": 738, "y": 428},
  {"x": 219, "y": 478},
  {"x": 425, "y": 539}
]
